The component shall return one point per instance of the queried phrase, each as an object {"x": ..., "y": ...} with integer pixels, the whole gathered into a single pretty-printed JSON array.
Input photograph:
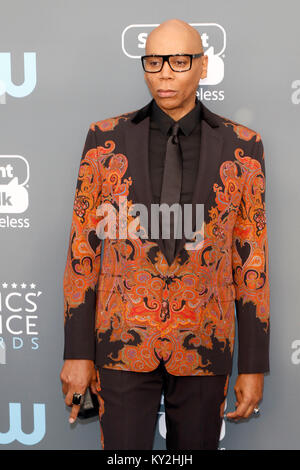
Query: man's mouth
[{"x": 166, "y": 93}]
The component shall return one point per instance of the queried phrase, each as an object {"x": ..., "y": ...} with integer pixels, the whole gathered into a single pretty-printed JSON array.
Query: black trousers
[{"x": 129, "y": 403}]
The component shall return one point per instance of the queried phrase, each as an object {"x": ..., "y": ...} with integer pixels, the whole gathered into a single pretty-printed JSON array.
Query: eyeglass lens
[{"x": 178, "y": 63}]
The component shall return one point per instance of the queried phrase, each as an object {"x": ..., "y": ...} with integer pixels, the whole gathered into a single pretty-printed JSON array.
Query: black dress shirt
[{"x": 189, "y": 139}]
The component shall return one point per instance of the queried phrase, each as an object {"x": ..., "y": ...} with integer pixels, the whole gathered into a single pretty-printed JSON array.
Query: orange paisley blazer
[{"x": 124, "y": 306}]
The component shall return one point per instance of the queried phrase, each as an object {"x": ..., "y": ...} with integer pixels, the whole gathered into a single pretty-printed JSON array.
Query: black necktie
[{"x": 171, "y": 185}]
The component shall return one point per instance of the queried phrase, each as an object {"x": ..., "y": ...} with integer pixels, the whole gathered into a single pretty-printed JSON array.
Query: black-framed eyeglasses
[{"x": 178, "y": 62}]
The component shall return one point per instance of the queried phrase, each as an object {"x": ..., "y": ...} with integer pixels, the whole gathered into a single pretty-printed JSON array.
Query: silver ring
[{"x": 256, "y": 411}]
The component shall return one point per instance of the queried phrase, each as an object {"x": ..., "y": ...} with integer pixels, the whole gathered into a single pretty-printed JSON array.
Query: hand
[
  {"x": 76, "y": 375},
  {"x": 248, "y": 391}
]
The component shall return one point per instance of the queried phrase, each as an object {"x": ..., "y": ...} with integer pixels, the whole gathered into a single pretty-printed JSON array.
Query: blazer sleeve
[
  {"x": 83, "y": 258},
  {"x": 251, "y": 268}
]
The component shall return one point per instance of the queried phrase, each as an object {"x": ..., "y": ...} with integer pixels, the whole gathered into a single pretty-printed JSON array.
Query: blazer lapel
[
  {"x": 136, "y": 143},
  {"x": 137, "y": 151}
]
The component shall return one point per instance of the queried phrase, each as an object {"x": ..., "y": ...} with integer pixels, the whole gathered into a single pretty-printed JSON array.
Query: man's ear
[{"x": 204, "y": 67}]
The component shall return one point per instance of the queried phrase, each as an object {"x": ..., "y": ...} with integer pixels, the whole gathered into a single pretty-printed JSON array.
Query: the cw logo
[
  {"x": 15, "y": 430},
  {"x": 6, "y": 84}
]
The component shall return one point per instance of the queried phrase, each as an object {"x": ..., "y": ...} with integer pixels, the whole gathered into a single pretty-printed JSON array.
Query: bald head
[
  {"x": 174, "y": 36},
  {"x": 174, "y": 91}
]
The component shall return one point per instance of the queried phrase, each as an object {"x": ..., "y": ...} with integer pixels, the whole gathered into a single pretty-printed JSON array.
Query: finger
[
  {"x": 244, "y": 413},
  {"x": 249, "y": 412},
  {"x": 69, "y": 398},
  {"x": 74, "y": 413},
  {"x": 239, "y": 397},
  {"x": 239, "y": 412},
  {"x": 93, "y": 386},
  {"x": 65, "y": 388}
]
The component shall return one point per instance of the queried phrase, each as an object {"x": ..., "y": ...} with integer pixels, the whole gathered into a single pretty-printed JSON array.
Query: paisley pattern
[
  {"x": 242, "y": 132},
  {"x": 142, "y": 308},
  {"x": 109, "y": 124},
  {"x": 83, "y": 262}
]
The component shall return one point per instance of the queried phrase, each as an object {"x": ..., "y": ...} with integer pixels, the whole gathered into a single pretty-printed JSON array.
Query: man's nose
[{"x": 166, "y": 71}]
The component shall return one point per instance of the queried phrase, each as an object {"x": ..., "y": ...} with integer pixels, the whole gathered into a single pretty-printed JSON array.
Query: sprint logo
[{"x": 14, "y": 199}]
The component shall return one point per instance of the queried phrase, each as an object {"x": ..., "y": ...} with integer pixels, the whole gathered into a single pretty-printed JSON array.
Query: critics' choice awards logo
[
  {"x": 213, "y": 37},
  {"x": 15, "y": 426},
  {"x": 295, "y": 96},
  {"x": 14, "y": 176},
  {"x": 7, "y": 86},
  {"x": 18, "y": 318}
]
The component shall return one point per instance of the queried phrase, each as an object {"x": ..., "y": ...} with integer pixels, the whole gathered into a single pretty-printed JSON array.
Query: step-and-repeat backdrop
[{"x": 65, "y": 64}]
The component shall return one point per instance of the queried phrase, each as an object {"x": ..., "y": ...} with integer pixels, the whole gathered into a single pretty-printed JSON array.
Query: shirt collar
[{"x": 187, "y": 123}]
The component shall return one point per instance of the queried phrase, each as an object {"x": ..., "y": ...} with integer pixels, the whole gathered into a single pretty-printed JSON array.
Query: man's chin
[{"x": 167, "y": 102}]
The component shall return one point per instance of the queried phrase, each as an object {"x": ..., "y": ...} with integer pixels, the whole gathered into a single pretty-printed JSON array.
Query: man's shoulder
[
  {"x": 236, "y": 129},
  {"x": 110, "y": 123},
  {"x": 229, "y": 127}
]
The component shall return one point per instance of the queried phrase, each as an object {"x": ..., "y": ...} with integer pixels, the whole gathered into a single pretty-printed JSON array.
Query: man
[{"x": 159, "y": 316}]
